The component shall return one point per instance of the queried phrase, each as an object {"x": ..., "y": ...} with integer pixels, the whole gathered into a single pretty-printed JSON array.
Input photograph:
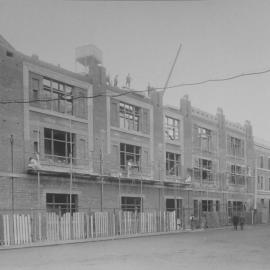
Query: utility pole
[
  {"x": 12, "y": 171},
  {"x": 172, "y": 68},
  {"x": 101, "y": 177},
  {"x": 101, "y": 156},
  {"x": 38, "y": 169}
]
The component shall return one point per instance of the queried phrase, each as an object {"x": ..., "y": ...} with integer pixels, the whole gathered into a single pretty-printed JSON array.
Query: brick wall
[{"x": 11, "y": 115}]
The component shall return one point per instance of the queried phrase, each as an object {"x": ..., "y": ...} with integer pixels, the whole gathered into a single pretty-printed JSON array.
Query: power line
[
  {"x": 104, "y": 94},
  {"x": 221, "y": 79}
]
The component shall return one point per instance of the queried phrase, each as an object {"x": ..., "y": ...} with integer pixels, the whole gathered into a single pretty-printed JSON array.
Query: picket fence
[{"x": 24, "y": 229}]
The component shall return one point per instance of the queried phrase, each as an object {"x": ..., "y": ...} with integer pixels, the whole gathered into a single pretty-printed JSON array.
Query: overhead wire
[{"x": 132, "y": 91}]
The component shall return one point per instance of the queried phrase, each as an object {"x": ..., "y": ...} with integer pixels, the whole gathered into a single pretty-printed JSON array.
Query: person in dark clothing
[
  {"x": 235, "y": 221},
  {"x": 242, "y": 222}
]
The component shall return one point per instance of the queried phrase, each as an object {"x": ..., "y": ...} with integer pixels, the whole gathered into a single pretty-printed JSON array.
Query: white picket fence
[
  {"x": 22, "y": 229},
  {"x": 16, "y": 227}
]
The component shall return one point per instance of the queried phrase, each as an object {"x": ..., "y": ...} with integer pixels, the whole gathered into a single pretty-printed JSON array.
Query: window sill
[
  {"x": 131, "y": 132},
  {"x": 56, "y": 114},
  {"x": 176, "y": 142},
  {"x": 236, "y": 185}
]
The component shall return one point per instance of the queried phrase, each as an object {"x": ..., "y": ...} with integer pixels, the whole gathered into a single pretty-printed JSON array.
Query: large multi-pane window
[
  {"x": 260, "y": 182},
  {"x": 171, "y": 128},
  {"x": 237, "y": 175},
  {"x": 203, "y": 169},
  {"x": 204, "y": 139},
  {"x": 235, "y": 208},
  {"x": 129, "y": 116},
  {"x": 59, "y": 96},
  {"x": 173, "y": 164},
  {"x": 60, "y": 203},
  {"x": 235, "y": 146},
  {"x": 130, "y": 157},
  {"x": 207, "y": 205},
  {"x": 133, "y": 204},
  {"x": 59, "y": 145}
]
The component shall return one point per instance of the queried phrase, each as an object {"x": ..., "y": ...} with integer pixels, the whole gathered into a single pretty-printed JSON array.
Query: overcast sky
[{"x": 219, "y": 39}]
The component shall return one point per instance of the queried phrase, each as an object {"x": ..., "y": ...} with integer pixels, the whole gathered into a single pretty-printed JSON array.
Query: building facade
[
  {"x": 262, "y": 185},
  {"x": 104, "y": 147}
]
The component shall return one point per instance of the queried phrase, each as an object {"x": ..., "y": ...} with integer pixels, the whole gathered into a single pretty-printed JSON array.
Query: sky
[{"x": 219, "y": 39}]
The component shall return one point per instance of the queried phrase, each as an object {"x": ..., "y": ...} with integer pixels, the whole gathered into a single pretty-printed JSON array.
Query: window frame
[
  {"x": 135, "y": 206},
  {"x": 51, "y": 140},
  {"x": 207, "y": 205},
  {"x": 202, "y": 172},
  {"x": 63, "y": 93},
  {"x": 61, "y": 207},
  {"x": 172, "y": 130},
  {"x": 129, "y": 116},
  {"x": 173, "y": 159},
  {"x": 235, "y": 146},
  {"x": 260, "y": 182},
  {"x": 130, "y": 160},
  {"x": 237, "y": 175},
  {"x": 205, "y": 137}
]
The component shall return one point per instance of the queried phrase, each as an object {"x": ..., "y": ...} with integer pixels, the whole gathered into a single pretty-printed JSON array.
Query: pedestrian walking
[{"x": 191, "y": 222}]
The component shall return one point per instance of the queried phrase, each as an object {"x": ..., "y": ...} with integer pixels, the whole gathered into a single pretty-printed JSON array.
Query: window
[
  {"x": 268, "y": 183},
  {"x": 62, "y": 98},
  {"x": 260, "y": 182},
  {"x": 235, "y": 208},
  {"x": 217, "y": 206},
  {"x": 36, "y": 142},
  {"x": 204, "y": 137},
  {"x": 207, "y": 206},
  {"x": 130, "y": 158},
  {"x": 60, "y": 203},
  {"x": 9, "y": 53},
  {"x": 173, "y": 164},
  {"x": 35, "y": 89},
  {"x": 235, "y": 146},
  {"x": 171, "y": 128},
  {"x": 203, "y": 169},
  {"x": 262, "y": 202},
  {"x": 174, "y": 205},
  {"x": 36, "y": 147},
  {"x": 133, "y": 204},
  {"x": 69, "y": 100},
  {"x": 196, "y": 208},
  {"x": 261, "y": 162},
  {"x": 59, "y": 145},
  {"x": 237, "y": 175},
  {"x": 268, "y": 163},
  {"x": 129, "y": 117}
]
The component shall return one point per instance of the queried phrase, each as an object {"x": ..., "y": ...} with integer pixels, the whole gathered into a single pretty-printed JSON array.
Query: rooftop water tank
[{"x": 86, "y": 54}]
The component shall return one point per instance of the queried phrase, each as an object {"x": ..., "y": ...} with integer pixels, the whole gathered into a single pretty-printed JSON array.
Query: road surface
[{"x": 213, "y": 249}]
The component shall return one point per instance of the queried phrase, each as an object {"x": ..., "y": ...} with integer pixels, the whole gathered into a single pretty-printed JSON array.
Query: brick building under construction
[{"x": 104, "y": 147}]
